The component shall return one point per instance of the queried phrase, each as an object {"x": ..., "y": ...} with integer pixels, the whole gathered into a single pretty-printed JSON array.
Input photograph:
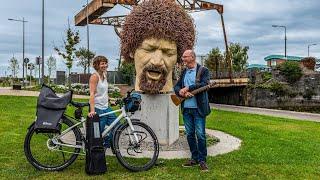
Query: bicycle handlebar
[{"x": 79, "y": 104}]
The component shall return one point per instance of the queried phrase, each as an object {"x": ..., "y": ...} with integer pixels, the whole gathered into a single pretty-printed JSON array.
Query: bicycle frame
[{"x": 104, "y": 133}]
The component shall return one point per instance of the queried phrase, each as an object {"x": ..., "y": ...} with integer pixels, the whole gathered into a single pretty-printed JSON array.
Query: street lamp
[
  {"x": 309, "y": 48},
  {"x": 23, "y": 21},
  {"x": 285, "y": 38},
  {"x": 88, "y": 39},
  {"x": 42, "y": 45}
]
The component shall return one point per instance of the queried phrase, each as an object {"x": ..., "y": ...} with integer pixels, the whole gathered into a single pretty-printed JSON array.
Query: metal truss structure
[{"x": 96, "y": 8}]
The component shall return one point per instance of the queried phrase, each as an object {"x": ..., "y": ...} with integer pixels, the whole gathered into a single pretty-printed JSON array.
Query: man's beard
[{"x": 152, "y": 86}]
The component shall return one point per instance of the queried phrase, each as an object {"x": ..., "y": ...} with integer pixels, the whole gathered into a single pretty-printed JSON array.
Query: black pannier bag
[
  {"x": 50, "y": 109},
  {"x": 132, "y": 103},
  {"x": 95, "y": 152}
]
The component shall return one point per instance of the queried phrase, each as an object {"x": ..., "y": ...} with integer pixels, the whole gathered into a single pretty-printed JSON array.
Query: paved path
[
  {"x": 270, "y": 112},
  {"x": 10, "y": 92},
  {"x": 226, "y": 144}
]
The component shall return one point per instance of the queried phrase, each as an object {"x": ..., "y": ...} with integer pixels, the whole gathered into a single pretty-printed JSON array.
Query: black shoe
[
  {"x": 190, "y": 163},
  {"x": 203, "y": 166}
]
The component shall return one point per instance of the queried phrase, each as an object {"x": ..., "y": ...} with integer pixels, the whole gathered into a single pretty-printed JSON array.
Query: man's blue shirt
[{"x": 190, "y": 79}]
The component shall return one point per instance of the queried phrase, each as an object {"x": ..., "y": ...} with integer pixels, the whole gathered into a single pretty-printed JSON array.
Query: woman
[{"x": 99, "y": 95}]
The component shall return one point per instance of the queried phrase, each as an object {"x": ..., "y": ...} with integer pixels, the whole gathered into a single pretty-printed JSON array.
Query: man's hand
[
  {"x": 188, "y": 95},
  {"x": 183, "y": 91}
]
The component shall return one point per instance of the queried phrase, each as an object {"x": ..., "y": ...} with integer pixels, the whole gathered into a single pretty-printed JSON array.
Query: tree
[
  {"x": 51, "y": 64},
  {"x": 69, "y": 44},
  {"x": 14, "y": 66},
  {"x": 213, "y": 61},
  {"x": 239, "y": 56},
  {"x": 85, "y": 57},
  {"x": 291, "y": 70},
  {"x": 127, "y": 71}
]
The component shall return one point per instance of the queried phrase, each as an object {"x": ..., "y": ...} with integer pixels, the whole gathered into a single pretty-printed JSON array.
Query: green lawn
[{"x": 272, "y": 148}]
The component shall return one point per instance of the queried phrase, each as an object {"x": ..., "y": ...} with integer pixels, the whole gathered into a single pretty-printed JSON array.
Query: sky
[{"x": 247, "y": 22}]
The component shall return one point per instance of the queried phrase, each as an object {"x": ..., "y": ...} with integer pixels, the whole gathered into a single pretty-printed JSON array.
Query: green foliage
[
  {"x": 127, "y": 71},
  {"x": 71, "y": 41},
  {"x": 239, "y": 56},
  {"x": 85, "y": 57},
  {"x": 51, "y": 65},
  {"x": 290, "y": 70},
  {"x": 278, "y": 88},
  {"x": 214, "y": 60},
  {"x": 14, "y": 66},
  {"x": 266, "y": 76},
  {"x": 115, "y": 94},
  {"x": 271, "y": 148}
]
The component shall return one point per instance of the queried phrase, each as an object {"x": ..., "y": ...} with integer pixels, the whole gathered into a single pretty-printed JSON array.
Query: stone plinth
[{"x": 159, "y": 112}]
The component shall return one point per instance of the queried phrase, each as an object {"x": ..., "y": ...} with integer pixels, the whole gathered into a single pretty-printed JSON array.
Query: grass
[{"x": 272, "y": 148}]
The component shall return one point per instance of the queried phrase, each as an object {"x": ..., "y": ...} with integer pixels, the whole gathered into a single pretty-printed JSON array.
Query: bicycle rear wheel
[
  {"x": 43, "y": 154},
  {"x": 136, "y": 156}
]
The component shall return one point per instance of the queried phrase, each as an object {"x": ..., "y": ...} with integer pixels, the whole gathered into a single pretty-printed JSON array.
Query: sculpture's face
[{"x": 154, "y": 61}]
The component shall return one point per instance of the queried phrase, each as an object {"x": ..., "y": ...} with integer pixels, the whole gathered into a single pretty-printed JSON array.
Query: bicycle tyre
[
  {"x": 122, "y": 159},
  {"x": 31, "y": 156}
]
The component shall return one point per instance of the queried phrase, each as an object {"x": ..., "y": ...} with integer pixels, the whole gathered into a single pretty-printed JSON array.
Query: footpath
[
  {"x": 252, "y": 110},
  {"x": 304, "y": 116}
]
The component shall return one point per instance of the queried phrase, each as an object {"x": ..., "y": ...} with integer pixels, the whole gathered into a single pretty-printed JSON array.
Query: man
[
  {"x": 154, "y": 36},
  {"x": 194, "y": 109}
]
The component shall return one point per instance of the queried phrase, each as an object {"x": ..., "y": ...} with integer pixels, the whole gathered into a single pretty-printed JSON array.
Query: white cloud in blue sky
[{"x": 247, "y": 22}]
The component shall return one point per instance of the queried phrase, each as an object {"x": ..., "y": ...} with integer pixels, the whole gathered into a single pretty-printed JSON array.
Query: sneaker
[
  {"x": 203, "y": 166},
  {"x": 190, "y": 163}
]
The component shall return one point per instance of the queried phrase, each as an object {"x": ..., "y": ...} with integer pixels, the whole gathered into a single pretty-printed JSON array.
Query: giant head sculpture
[{"x": 154, "y": 37}]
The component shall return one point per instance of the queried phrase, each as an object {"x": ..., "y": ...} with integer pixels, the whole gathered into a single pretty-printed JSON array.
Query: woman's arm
[{"x": 92, "y": 87}]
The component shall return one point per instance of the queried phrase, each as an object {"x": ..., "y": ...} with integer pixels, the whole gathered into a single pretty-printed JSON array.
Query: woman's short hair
[{"x": 97, "y": 60}]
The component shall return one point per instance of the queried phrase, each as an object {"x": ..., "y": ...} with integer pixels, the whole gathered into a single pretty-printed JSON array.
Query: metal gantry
[{"x": 98, "y": 7}]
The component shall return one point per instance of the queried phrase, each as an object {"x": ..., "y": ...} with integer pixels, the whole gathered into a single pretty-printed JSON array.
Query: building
[
  {"x": 259, "y": 67},
  {"x": 274, "y": 60}
]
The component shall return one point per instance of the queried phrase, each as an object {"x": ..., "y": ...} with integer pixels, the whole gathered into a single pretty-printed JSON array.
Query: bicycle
[{"x": 132, "y": 139}]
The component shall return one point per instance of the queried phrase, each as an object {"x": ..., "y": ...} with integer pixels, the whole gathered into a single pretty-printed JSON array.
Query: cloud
[{"x": 247, "y": 22}]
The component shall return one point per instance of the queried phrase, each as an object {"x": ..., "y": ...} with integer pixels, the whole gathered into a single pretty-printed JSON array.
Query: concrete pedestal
[{"x": 158, "y": 112}]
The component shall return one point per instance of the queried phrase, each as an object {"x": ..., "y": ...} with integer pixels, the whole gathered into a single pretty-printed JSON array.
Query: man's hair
[
  {"x": 97, "y": 60},
  {"x": 161, "y": 19},
  {"x": 193, "y": 54}
]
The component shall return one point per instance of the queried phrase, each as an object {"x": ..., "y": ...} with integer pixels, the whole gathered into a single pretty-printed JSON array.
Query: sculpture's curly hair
[{"x": 157, "y": 19}]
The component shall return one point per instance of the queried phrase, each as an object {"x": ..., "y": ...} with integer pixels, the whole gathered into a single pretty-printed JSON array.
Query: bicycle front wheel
[
  {"x": 44, "y": 154},
  {"x": 135, "y": 155}
]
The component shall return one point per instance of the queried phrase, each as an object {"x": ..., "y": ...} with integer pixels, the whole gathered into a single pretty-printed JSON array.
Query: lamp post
[
  {"x": 23, "y": 21},
  {"x": 88, "y": 38},
  {"x": 309, "y": 48},
  {"x": 285, "y": 38},
  {"x": 42, "y": 45}
]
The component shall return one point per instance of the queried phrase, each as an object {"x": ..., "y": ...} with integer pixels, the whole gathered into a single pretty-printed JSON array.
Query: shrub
[
  {"x": 291, "y": 71},
  {"x": 266, "y": 76},
  {"x": 309, "y": 62},
  {"x": 278, "y": 88}
]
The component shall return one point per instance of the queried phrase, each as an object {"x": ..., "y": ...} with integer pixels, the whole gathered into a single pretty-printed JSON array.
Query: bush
[
  {"x": 291, "y": 71},
  {"x": 266, "y": 76},
  {"x": 309, "y": 62},
  {"x": 278, "y": 88}
]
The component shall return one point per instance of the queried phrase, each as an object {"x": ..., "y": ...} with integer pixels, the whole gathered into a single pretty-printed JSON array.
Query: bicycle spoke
[
  {"x": 137, "y": 154},
  {"x": 45, "y": 152}
]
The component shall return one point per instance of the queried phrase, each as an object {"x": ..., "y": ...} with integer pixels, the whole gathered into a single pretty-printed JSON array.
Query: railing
[{"x": 224, "y": 74}]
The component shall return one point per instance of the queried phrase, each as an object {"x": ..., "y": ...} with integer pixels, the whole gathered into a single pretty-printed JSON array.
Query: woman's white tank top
[{"x": 101, "y": 96}]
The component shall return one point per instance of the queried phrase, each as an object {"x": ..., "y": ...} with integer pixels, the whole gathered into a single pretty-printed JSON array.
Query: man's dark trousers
[{"x": 195, "y": 127}]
